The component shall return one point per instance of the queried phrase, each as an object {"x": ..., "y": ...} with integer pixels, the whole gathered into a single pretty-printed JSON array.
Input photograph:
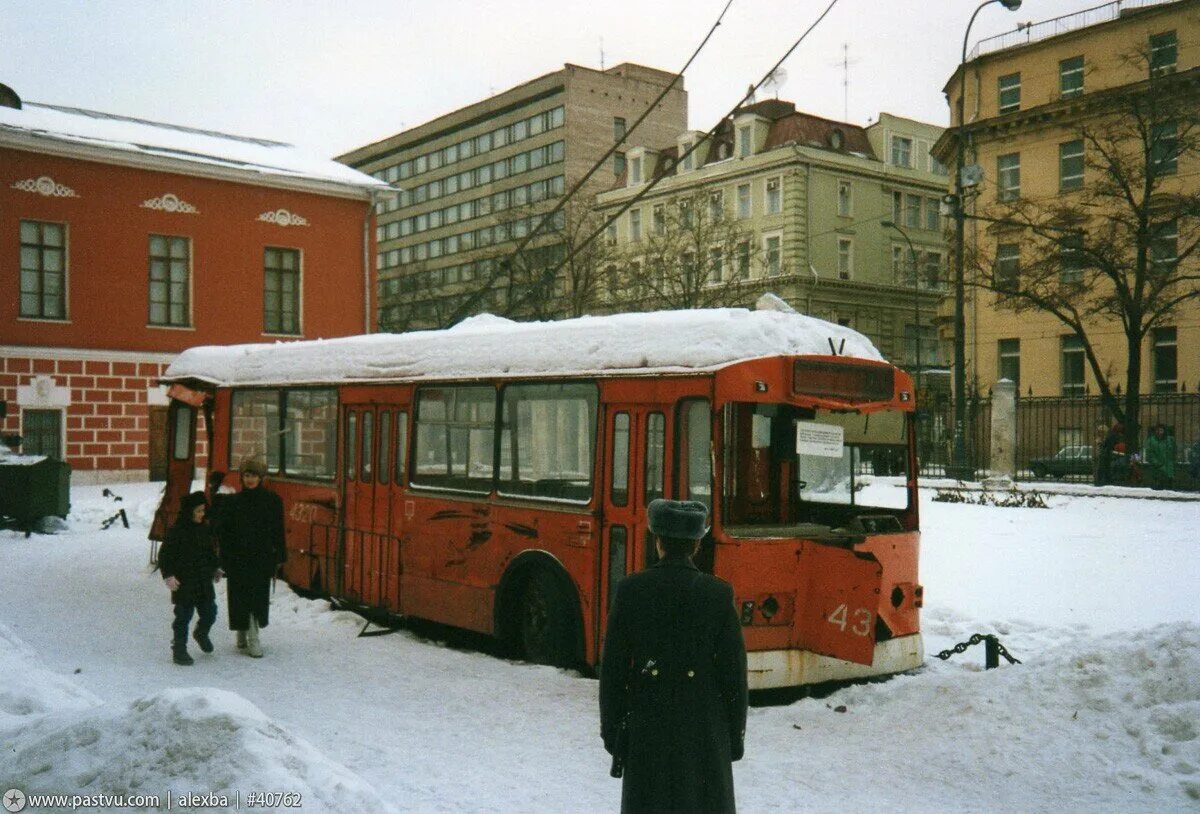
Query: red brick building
[{"x": 123, "y": 242}]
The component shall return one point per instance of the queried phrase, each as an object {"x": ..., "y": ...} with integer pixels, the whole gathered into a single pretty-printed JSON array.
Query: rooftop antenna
[
  {"x": 775, "y": 81},
  {"x": 845, "y": 62},
  {"x": 602, "y": 53}
]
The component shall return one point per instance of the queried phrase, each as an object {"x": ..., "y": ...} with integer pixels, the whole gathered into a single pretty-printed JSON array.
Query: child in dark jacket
[{"x": 189, "y": 565}]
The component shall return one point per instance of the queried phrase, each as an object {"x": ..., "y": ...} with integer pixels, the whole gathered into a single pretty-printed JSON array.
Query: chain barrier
[{"x": 992, "y": 647}]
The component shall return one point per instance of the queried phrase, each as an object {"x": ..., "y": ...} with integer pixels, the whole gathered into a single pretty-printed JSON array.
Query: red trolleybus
[{"x": 495, "y": 476}]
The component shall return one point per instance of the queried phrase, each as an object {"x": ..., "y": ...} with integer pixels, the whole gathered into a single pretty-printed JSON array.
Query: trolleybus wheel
[{"x": 544, "y": 620}]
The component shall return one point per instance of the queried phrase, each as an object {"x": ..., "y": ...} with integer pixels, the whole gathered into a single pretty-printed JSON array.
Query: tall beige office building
[{"x": 474, "y": 181}]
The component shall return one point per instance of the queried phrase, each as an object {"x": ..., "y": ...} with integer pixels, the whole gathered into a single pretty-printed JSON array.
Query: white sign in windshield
[{"x": 822, "y": 440}]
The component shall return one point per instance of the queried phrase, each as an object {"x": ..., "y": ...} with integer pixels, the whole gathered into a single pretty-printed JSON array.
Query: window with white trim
[
  {"x": 772, "y": 255},
  {"x": 1010, "y": 92},
  {"x": 845, "y": 258},
  {"x": 845, "y": 200},
  {"x": 774, "y": 195}
]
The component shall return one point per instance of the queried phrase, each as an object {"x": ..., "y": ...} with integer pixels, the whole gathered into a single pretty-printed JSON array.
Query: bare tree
[
  {"x": 559, "y": 276},
  {"x": 1117, "y": 244},
  {"x": 694, "y": 256}
]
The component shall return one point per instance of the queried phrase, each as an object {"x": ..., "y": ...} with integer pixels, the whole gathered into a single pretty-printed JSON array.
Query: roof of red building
[{"x": 35, "y": 123}]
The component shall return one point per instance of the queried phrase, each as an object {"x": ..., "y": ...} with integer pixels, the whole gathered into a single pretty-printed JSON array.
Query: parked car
[{"x": 1077, "y": 459}]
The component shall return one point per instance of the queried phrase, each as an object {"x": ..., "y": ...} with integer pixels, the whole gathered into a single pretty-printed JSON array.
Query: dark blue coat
[
  {"x": 675, "y": 663},
  {"x": 188, "y": 554}
]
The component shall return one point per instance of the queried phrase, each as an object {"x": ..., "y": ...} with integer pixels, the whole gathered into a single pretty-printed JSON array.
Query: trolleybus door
[
  {"x": 181, "y": 459},
  {"x": 635, "y": 472},
  {"x": 364, "y": 553}
]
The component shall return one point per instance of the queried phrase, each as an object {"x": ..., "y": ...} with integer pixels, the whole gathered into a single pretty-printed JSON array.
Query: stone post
[{"x": 1004, "y": 435}]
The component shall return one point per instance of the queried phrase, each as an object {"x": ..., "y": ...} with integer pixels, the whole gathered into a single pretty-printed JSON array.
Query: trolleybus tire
[{"x": 545, "y": 623}]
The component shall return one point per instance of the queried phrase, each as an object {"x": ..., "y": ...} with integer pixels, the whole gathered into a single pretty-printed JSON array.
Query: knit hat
[
  {"x": 680, "y": 519},
  {"x": 253, "y": 465},
  {"x": 190, "y": 502}
]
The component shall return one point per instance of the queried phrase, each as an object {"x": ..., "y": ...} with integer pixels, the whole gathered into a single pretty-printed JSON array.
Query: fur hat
[
  {"x": 254, "y": 466},
  {"x": 190, "y": 502},
  {"x": 679, "y": 519}
]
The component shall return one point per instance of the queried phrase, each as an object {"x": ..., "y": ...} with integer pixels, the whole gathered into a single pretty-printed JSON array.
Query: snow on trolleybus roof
[{"x": 487, "y": 346}]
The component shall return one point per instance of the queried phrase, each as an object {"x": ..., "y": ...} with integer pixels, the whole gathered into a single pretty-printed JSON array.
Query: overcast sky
[{"x": 335, "y": 75}]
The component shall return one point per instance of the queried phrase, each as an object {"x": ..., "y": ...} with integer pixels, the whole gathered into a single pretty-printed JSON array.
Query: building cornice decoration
[
  {"x": 170, "y": 202},
  {"x": 46, "y": 187},
  {"x": 282, "y": 217}
]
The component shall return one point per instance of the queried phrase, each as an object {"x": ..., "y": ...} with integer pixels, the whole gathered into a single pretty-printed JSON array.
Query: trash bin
[{"x": 32, "y": 488}]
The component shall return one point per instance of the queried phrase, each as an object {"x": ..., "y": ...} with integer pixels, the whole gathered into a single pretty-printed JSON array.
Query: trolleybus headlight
[
  {"x": 897, "y": 596},
  {"x": 770, "y": 607}
]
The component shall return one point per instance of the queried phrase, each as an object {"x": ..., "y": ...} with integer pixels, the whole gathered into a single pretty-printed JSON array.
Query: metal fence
[
  {"x": 1059, "y": 438},
  {"x": 1026, "y": 33}
]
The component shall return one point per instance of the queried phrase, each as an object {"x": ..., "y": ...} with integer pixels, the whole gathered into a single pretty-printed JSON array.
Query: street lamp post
[
  {"x": 961, "y": 468},
  {"x": 912, "y": 261}
]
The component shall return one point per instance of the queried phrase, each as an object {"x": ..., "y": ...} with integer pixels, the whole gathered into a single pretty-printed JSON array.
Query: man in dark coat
[
  {"x": 673, "y": 676},
  {"x": 252, "y": 550},
  {"x": 188, "y": 562}
]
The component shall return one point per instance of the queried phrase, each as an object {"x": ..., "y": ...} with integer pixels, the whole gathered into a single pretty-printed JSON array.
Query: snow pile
[
  {"x": 1099, "y": 724},
  {"x": 60, "y": 738},
  {"x": 485, "y": 346},
  {"x": 27, "y": 688},
  {"x": 131, "y": 135}
]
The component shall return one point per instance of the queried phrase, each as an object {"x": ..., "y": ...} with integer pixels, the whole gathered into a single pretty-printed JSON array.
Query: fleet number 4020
[{"x": 857, "y": 621}]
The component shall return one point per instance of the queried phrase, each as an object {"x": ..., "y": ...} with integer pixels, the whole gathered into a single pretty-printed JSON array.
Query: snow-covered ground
[{"x": 1097, "y": 596}]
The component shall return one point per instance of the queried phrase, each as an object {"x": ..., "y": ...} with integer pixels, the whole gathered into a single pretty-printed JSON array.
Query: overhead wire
[
  {"x": 672, "y": 163},
  {"x": 548, "y": 217}
]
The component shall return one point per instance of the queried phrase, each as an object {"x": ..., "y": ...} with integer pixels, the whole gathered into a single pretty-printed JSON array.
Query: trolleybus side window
[
  {"x": 254, "y": 428},
  {"x": 401, "y": 446},
  {"x": 368, "y": 446},
  {"x": 182, "y": 447},
  {"x": 385, "y": 444},
  {"x": 548, "y": 440},
  {"x": 616, "y": 559},
  {"x": 310, "y": 433},
  {"x": 351, "y": 445},
  {"x": 656, "y": 439},
  {"x": 695, "y": 450},
  {"x": 620, "y": 460},
  {"x": 455, "y": 439}
]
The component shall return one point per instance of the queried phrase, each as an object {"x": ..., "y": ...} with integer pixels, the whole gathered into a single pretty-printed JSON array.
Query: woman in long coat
[
  {"x": 252, "y": 549},
  {"x": 673, "y": 676}
]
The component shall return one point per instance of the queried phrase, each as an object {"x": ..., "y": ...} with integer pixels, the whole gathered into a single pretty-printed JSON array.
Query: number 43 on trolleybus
[{"x": 494, "y": 476}]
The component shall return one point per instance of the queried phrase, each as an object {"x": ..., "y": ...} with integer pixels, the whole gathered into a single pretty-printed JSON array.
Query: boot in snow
[
  {"x": 179, "y": 654},
  {"x": 252, "y": 644},
  {"x": 241, "y": 640},
  {"x": 201, "y": 637}
]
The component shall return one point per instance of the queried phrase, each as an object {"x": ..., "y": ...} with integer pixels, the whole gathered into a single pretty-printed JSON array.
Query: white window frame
[
  {"x": 1002, "y": 88},
  {"x": 905, "y": 145},
  {"x": 845, "y": 270},
  {"x": 777, "y": 180},
  {"x": 745, "y": 141},
  {"x": 1008, "y": 192},
  {"x": 845, "y": 198},
  {"x": 748, "y": 212},
  {"x": 766, "y": 263}
]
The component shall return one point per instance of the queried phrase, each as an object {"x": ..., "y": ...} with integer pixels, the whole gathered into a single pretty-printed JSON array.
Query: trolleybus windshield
[{"x": 788, "y": 465}]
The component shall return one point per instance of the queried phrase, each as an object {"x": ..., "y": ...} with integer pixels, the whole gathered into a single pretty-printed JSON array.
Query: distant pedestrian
[
  {"x": 189, "y": 565},
  {"x": 673, "y": 692},
  {"x": 1108, "y": 449},
  {"x": 252, "y": 550},
  {"x": 1158, "y": 454}
]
